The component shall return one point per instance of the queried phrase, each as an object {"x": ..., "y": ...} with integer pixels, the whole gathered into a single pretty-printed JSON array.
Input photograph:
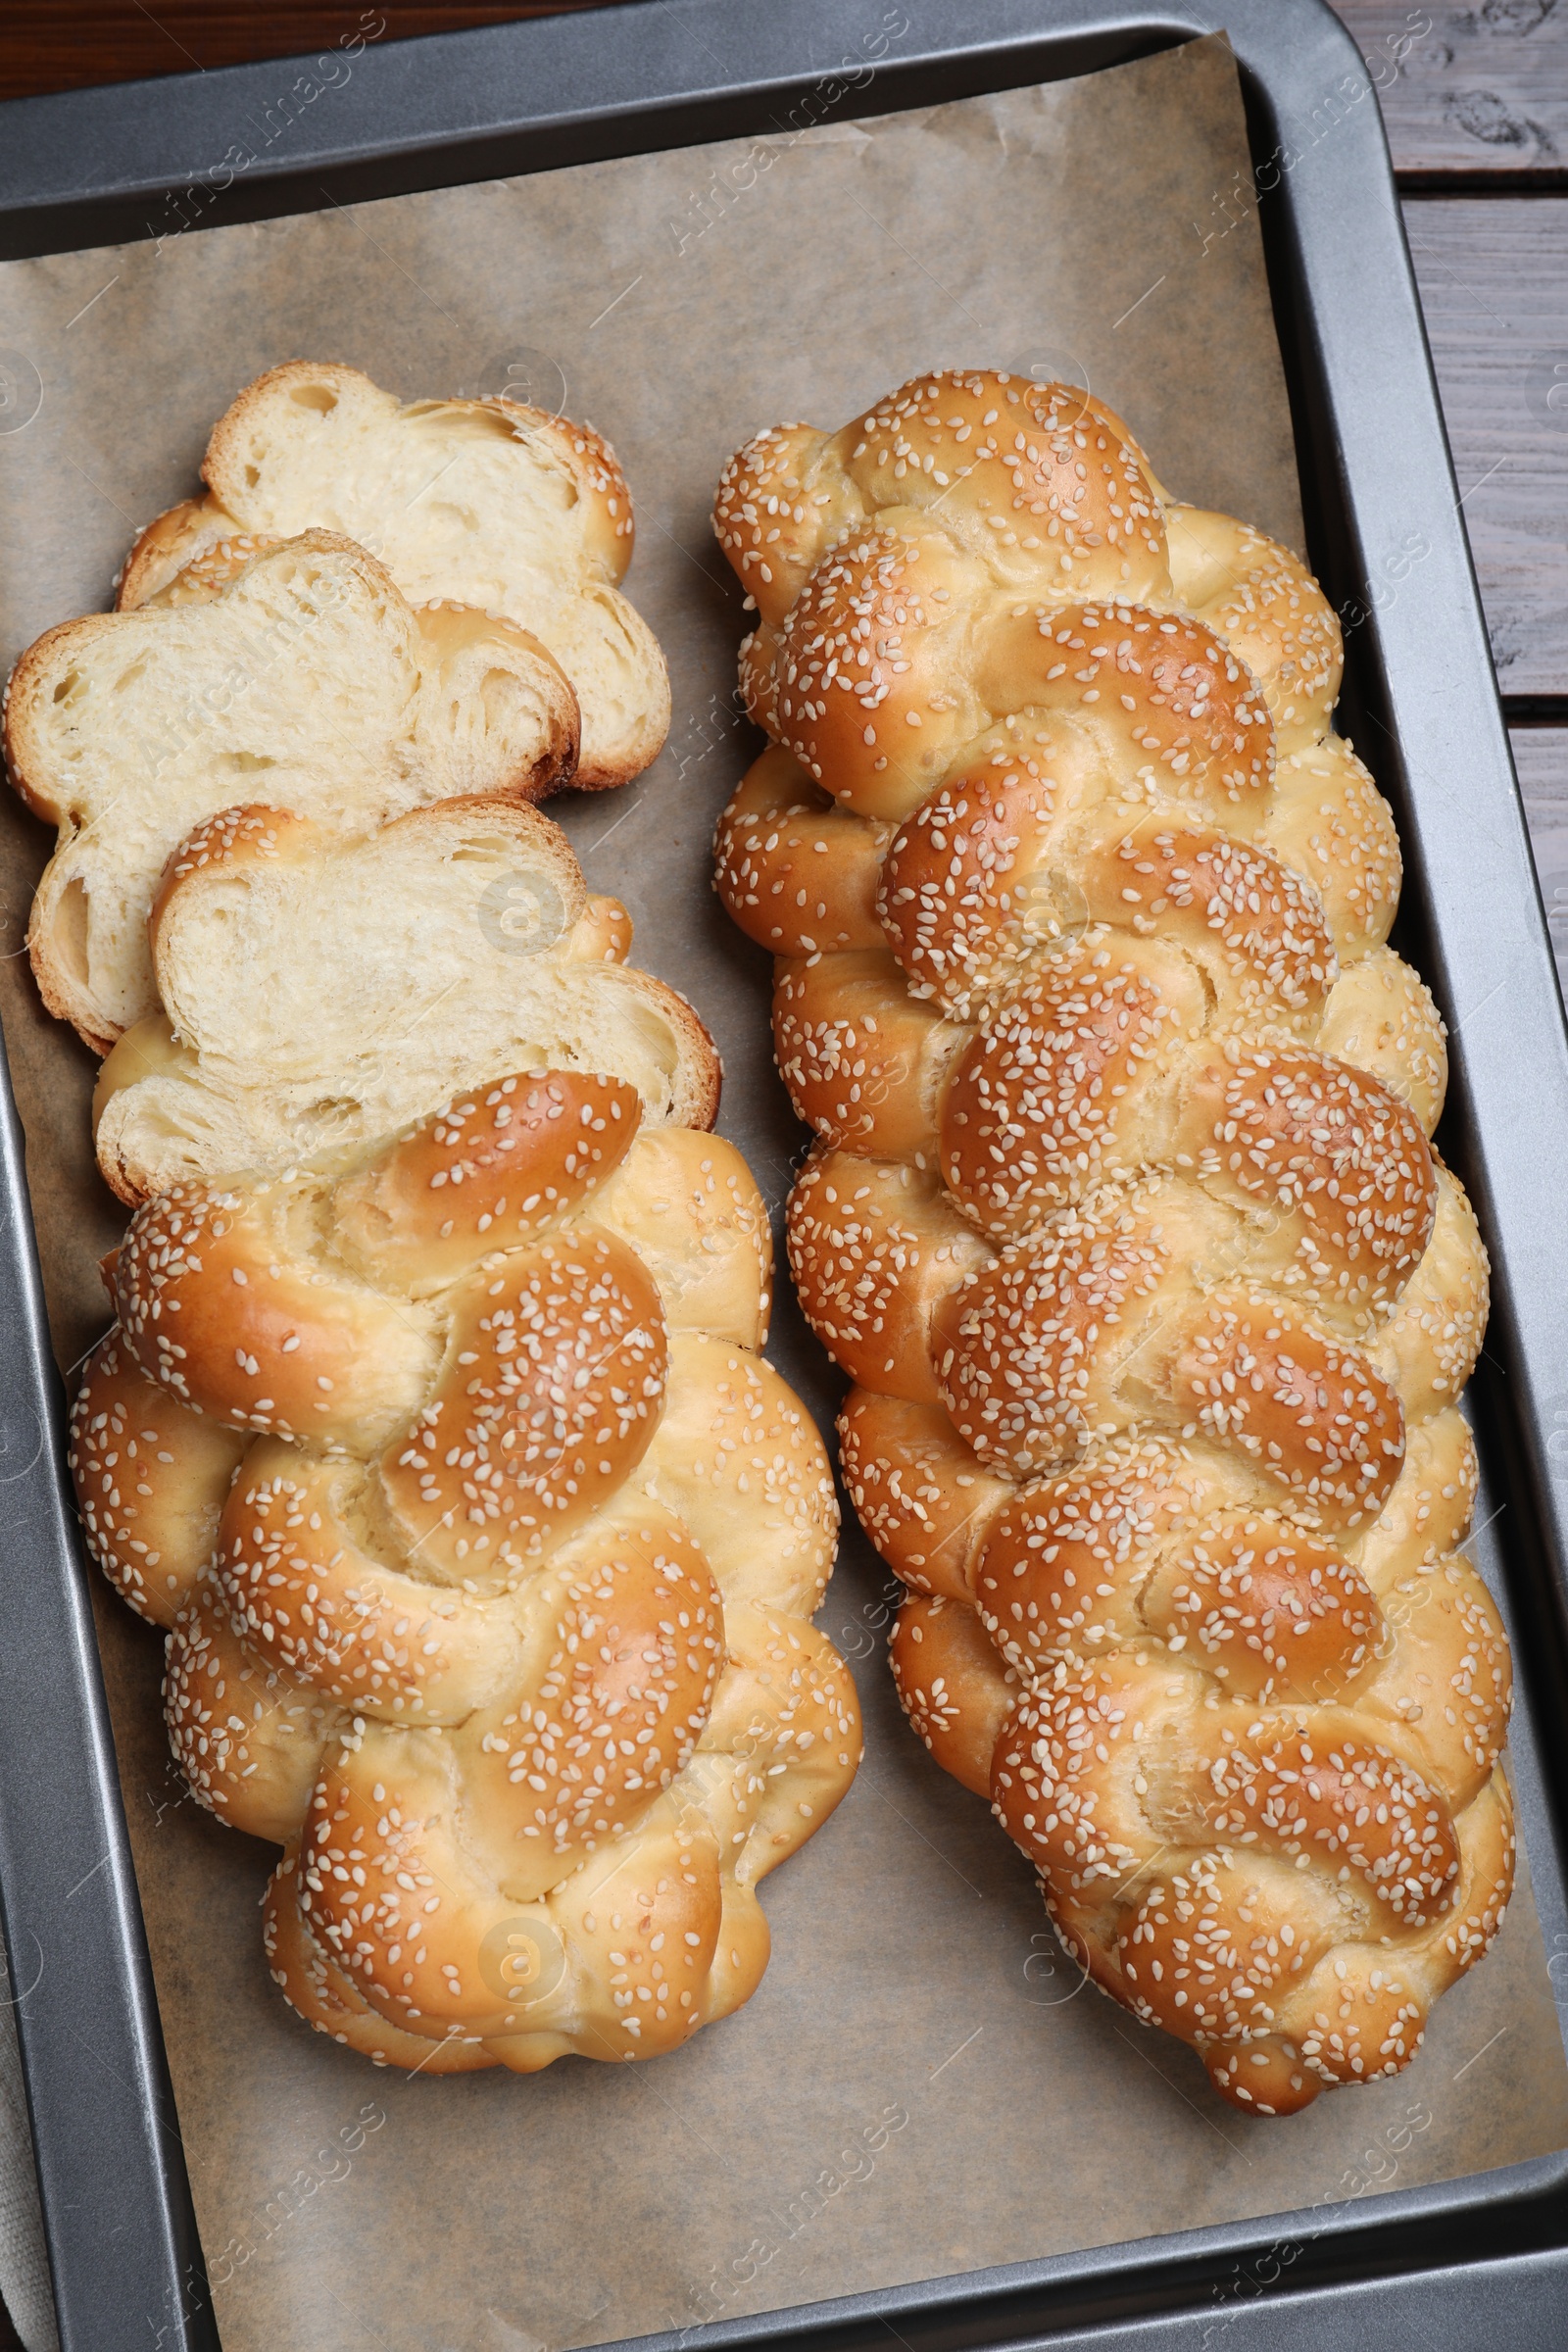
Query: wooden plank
[
  {"x": 1540, "y": 754},
  {"x": 71, "y": 44},
  {"x": 1477, "y": 89},
  {"x": 1494, "y": 279}
]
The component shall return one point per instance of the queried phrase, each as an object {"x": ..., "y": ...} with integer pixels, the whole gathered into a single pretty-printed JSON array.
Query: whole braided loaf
[
  {"x": 488, "y": 1547},
  {"x": 1122, "y": 1215}
]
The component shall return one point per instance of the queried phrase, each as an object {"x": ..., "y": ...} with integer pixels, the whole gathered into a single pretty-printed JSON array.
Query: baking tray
[{"x": 1425, "y": 2267}]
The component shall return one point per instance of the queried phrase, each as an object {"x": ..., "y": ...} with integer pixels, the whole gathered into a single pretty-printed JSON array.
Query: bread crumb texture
[{"x": 318, "y": 990}]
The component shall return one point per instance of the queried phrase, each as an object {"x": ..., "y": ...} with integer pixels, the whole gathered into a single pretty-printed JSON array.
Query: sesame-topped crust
[
  {"x": 149, "y": 1481},
  {"x": 1274, "y": 617},
  {"x": 219, "y": 1302},
  {"x": 779, "y": 501},
  {"x": 1033, "y": 474},
  {"x": 1042, "y": 482},
  {"x": 554, "y": 1372},
  {"x": 489, "y": 1547},
  {"x": 1122, "y": 1214},
  {"x": 216, "y": 567},
  {"x": 799, "y": 875},
  {"x": 490, "y": 1170}
]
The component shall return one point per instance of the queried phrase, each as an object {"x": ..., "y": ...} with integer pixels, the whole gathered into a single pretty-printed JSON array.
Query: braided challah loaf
[
  {"x": 1122, "y": 1215},
  {"x": 488, "y": 1547}
]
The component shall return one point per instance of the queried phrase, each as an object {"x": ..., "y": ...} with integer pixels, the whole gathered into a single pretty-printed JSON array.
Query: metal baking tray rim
[{"x": 624, "y": 80}]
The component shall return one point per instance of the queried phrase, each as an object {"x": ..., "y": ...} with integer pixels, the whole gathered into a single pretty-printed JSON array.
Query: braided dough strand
[
  {"x": 487, "y": 1544},
  {"x": 1122, "y": 1214}
]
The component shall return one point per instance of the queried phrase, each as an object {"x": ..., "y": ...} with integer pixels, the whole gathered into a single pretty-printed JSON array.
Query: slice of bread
[
  {"x": 304, "y": 676},
  {"x": 323, "y": 991},
  {"x": 482, "y": 501}
]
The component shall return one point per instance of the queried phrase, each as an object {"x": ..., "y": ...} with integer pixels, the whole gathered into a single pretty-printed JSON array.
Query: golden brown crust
[
  {"x": 1025, "y": 470},
  {"x": 1263, "y": 603},
  {"x": 552, "y": 1388},
  {"x": 150, "y": 1478},
  {"x": 971, "y": 886},
  {"x": 1060, "y": 1092},
  {"x": 164, "y": 547},
  {"x": 217, "y": 1304},
  {"x": 863, "y": 1063},
  {"x": 868, "y": 685},
  {"x": 312, "y": 1982},
  {"x": 925, "y": 1498},
  {"x": 1123, "y": 1216},
  {"x": 1042, "y": 482},
  {"x": 501, "y": 1626},
  {"x": 603, "y": 932},
  {"x": 247, "y": 1734},
  {"x": 773, "y": 516},
  {"x": 951, "y": 1685},
  {"x": 797, "y": 874},
  {"x": 1341, "y": 1165},
  {"x": 882, "y": 676},
  {"x": 1035, "y": 1362},
  {"x": 1163, "y": 691},
  {"x": 490, "y": 1170},
  {"x": 874, "y": 1251}
]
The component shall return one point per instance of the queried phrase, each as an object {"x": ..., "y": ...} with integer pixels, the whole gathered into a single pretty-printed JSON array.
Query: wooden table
[{"x": 1476, "y": 103}]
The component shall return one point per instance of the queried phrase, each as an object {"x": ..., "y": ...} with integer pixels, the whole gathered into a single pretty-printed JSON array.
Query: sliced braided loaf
[
  {"x": 488, "y": 1547},
  {"x": 1122, "y": 1216},
  {"x": 487, "y": 503}
]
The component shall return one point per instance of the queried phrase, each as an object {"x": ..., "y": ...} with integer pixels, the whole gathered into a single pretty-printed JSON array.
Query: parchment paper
[{"x": 921, "y": 2088}]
